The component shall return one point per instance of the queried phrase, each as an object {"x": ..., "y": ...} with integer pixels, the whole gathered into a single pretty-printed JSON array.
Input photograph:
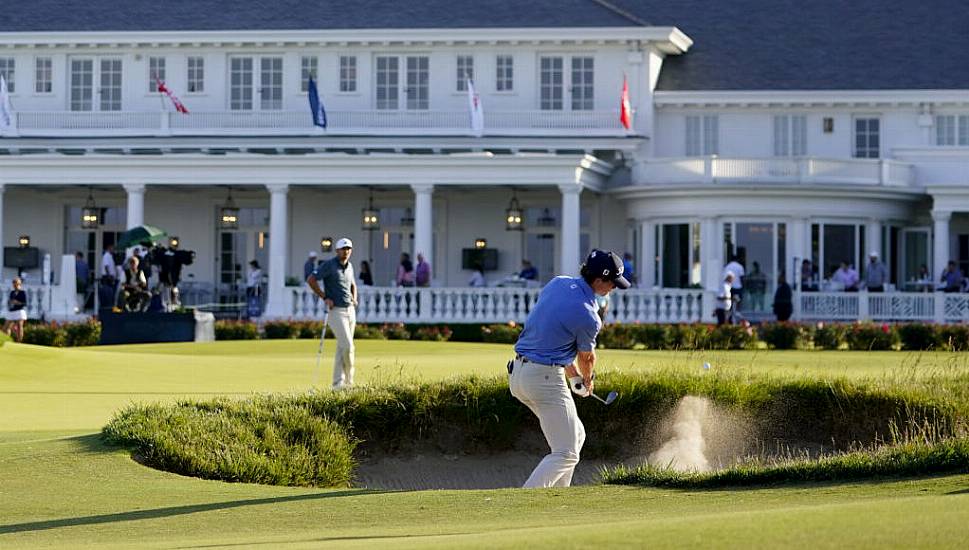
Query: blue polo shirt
[
  {"x": 562, "y": 323},
  {"x": 336, "y": 280}
]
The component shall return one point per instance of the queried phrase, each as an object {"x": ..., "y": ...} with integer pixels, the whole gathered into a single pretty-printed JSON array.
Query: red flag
[
  {"x": 179, "y": 106},
  {"x": 625, "y": 111}
]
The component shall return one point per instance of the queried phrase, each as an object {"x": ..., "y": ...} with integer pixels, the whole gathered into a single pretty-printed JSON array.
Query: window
[
  {"x": 790, "y": 135},
  {"x": 551, "y": 83},
  {"x": 504, "y": 73},
  {"x": 388, "y": 82},
  {"x": 240, "y": 84},
  {"x": 43, "y": 75},
  {"x": 271, "y": 89},
  {"x": 867, "y": 135},
  {"x": 7, "y": 70},
  {"x": 348, "y": 73},
  {"x": 307, "y": 69},
  {"x": 582, "y": 89},
  {"x": 952, "y": 130},
  {"x": 156, "y": 72},
  {"x": 465, "y": 71},
  {"x": 702, "y": 135},
  {"x": 196, "y": 75}
]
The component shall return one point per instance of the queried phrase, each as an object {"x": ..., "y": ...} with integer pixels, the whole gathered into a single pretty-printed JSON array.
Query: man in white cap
[
  {"x": 310, "y": 265},
  {"x": 876, "y": 275},
  {"x": 339, "y": 291}
]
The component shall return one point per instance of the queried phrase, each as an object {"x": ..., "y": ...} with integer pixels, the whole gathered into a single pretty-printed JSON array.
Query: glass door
[
  {"x": 85, "y": 80},
  {"x": 916, "y": 274},
  {"x": 554, "y": 80},
  {"x": 414, "y": 87},
  {"x": 244, "y": 86}
]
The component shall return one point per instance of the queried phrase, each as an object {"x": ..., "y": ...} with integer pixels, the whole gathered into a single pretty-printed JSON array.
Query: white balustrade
[
  {"x": 425, "y": 122},
  {"x": 714, "y": 169}
]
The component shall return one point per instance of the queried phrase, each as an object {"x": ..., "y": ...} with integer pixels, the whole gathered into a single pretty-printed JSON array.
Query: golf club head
[{"x": 611, "y": 397}]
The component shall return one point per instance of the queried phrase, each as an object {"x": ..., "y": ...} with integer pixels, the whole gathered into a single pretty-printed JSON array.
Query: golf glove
[{"x": 578, "y": 387}]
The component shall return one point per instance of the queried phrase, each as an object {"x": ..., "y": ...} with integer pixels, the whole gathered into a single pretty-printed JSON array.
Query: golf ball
[{"x": 706, "y": 366}]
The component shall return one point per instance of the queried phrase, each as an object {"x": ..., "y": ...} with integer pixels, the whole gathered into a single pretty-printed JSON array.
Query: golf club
[
  {"x": 319, "y": 354},
  {"x": 609, "y": 398}
]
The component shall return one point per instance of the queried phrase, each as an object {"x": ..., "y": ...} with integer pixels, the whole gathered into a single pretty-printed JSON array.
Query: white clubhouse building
[{"x": 727, "y": 154}]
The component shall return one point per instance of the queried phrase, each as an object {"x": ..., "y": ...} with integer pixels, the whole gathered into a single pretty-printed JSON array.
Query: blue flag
[{"x": 316, "y": 106}]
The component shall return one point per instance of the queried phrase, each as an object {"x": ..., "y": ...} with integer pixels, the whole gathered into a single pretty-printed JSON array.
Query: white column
[
  {"x": 570, "y": 254},
  {"x": 136, "y": 204},
  {"x": 797, "y": 249},
  {"x": 710, "y": 247},
  {"x": 940, "y": 250},
  {"x": 277, "y": 302},
  {"x": 1, "y": 234},
  {"x": 647, "y": 255},
  {"x": 424, "y": 222},
  {"x": 873, "y": 234}
]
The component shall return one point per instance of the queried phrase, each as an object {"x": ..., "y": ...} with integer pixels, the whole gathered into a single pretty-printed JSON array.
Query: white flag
[
  {"x": 6, "y": 112},
  {"x": 477, "y": 112}
]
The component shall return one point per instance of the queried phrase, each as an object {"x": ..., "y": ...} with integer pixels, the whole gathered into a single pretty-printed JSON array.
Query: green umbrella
[{"x": 140, "y": 234}]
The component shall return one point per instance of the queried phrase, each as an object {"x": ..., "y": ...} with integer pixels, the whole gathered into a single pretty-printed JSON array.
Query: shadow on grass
[{"x": 171, "y": 511}]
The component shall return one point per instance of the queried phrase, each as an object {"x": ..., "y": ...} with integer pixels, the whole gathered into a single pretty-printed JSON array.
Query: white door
[
  {"x": 256, "y": 83},
  {"x": 95, "y": 84},
  {"x": 412, "y": 92},
  {"x": 566, "y": 83}
]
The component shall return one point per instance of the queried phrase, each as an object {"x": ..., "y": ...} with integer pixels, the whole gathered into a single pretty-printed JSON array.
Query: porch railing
[
  {"x": 806, "y": 170},
  {"x": 501, "y": 305},
  {"x": 933, "y": 307}
]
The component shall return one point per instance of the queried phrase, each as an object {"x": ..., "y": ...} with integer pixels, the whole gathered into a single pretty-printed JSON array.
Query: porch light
[
  {"x": 407, "y": 220},
  {"x": 90, "y": 214},
  {"x": 326, "y": 244},
  {"x": 24, "y": 241},
  {"x": 514, "y": 214},
  {"x": 371, "y": 219},
  {"x": 546, "y": 219},
  {"x": 173, "y": 242},
  {"x": 229, "y": 214},
  {"x": 480, "y": 243}
]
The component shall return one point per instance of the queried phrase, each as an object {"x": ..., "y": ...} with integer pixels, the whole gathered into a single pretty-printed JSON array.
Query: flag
[
  {"x": 316, "y": 106},
  {"x": 6, "y": 111},
  {"x": 477, "y": 112},
  {"x": 625, "y": 111},
  {"x": 179, "y": 106}
]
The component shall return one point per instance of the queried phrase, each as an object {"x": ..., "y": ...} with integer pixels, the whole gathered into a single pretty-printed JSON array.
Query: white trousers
[
  {"x": 343, "y": 321},
  {"x": 543, "y": 389}
]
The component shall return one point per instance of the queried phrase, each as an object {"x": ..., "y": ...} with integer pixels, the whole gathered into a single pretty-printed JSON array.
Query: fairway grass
[{"x": 60, "y": 486}]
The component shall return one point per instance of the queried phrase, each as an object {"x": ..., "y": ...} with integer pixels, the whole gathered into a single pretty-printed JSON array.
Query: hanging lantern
[
  {"x": 371, "y": 219},
  {"x": 90, "y": 214},
  {"x": 229, "y": 214},
  {"x": 24, "y": 241},
  {"x": 407, "y": 220},
  {"x": 326, "y": 244},
  {"x": 514, "y": 215},
  {"x": 480, "y": 243},
  {"x": 546, "y": 219}
]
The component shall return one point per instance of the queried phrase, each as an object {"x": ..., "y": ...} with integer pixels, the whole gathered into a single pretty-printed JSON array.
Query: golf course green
[{"x": 61, "y": 486}]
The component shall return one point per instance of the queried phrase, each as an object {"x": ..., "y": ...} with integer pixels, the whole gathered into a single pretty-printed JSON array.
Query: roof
[
  {"x": 813, "y": 45},
  {"x": 201, "y": 15}
]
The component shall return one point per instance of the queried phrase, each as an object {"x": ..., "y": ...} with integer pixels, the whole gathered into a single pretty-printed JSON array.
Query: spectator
[
  {"x": 309, "y": 265},
  {"x": 254, "y": 280},
  {"x": 134, "y": 291},
  {"x": 783, "y": 299},
  {"x": 877, "y": 275},
  {"x": 405, "y": 271},
  {"x": 528, "y": 272},
  {"x": 924, "y": 274},
  {"x": 628, "y": 268},
  {"x": 841, "y": 276},
  {"x": 737, "y": 288},
  {"x": 808, "y": 279},
  {"x": 724, "y": 303},
  {"x": 477, "y": 278},
  {"x": 951, "y": 278},
  {"x": 853, "y": 279},
  {"x": 16, "y": 311},
  {"x": 108, "y": 278},
  {"x": 366, "y": 277},
  {"x": 82, "y": 273},
  {"x": 423, "y": 270}
]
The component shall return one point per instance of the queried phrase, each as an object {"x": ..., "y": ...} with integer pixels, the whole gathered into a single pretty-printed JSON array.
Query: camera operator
[
  {"x": 134, "y": 293},
  {"x": 170, "y": 263}
]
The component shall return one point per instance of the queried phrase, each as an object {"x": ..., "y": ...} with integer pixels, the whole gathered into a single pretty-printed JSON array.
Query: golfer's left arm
[{"x": 353, "y": 293}]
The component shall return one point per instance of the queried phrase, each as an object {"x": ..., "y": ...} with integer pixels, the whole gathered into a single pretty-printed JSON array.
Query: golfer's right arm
[
  {"x": 585, "y": 363},
  {"x": 315, "y": 285}
]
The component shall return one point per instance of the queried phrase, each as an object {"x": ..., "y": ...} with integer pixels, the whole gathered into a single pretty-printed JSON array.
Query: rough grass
[{"x": 309, "y": 439}]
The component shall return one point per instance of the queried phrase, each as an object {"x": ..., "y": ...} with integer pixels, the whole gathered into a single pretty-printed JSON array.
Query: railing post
[
  {"x": 796, "y": 313},
  {"x": 804, "y": 174},
  {"x": 708, "y": 169},
  {"x": 425, "y": 301},
  {"x": 939, "y": 307},
  {"x": 863, "y": 314},
  {"x": 165, "y": 124},
  {"x": 884, "y": 172}
]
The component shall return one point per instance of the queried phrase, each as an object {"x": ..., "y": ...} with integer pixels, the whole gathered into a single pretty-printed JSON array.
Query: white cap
[
  {"x": 344, "y": 243},
  {"x": 312, "y": 253},
  {"x": 873, "y": 254}
]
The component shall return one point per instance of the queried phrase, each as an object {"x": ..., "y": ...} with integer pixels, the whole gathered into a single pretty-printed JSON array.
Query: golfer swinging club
[
  {"x": 339, "y": 292},
  {"x": 563, "y": 323}
]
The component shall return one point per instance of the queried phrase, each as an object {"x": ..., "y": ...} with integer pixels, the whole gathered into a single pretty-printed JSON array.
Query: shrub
[
  {"x": 784, "y": 335},
  {"x": 367, "y": 332},
  {"x": 465, "y": 332},
  {"x": 617, "y": 336},
  {"x": 655, "y": 336},
  {"x": 920, "y": 336},
  {"x": 41, "y": 334},
  {"x": 236, "y": 330},
  {"x": 954, "y": 337},
  {"x": 501, "y": 334},
  {"x": 432, "y": 333},
  {"x": 871, "y": 336},
  {"x": 86, "y": 333},
  {"x": 395, "y": 331},
  {"x": 310, "y": 330},
  {"x": 280, "y": 330},
  {"x": 690, "y": 336},
  {"x": 730, "y": 337},
  {"x": 829, "y": 336}
]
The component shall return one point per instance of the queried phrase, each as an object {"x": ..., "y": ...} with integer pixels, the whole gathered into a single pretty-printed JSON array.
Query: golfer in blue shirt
[{"x": 559, "y": 338}]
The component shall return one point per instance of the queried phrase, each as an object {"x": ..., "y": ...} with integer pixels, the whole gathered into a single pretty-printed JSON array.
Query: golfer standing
[
  {"x": 559, "y": 337},
  {"x": 339, "y": 291}
]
